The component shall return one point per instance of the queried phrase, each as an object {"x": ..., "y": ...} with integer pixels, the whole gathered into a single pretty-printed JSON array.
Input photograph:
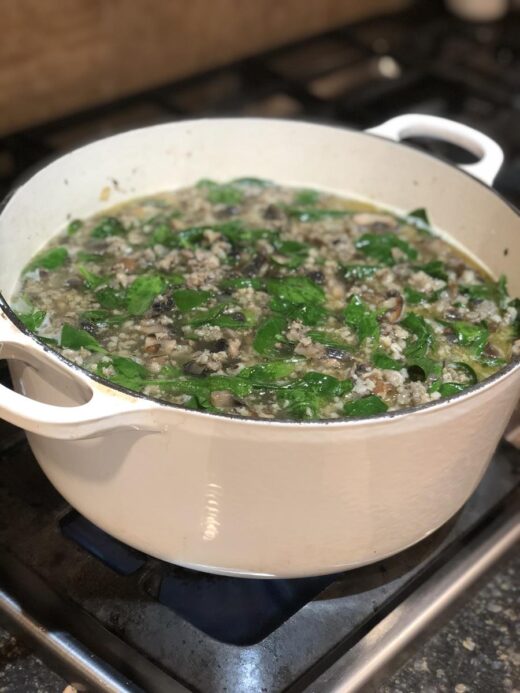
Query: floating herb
[
  {"x": 92, "y": 281},
  {"x": 142, "y": 292},
  {"x": 379, "y": 246},
  {"x": 32, "y": 319},
  {"x": 314, "y": 214},
  {"x": 359, "y": 272},
  {"x": 306, "y": 197},
  {"x": 435, "y": 268},
  {"x": 365, "y": 406},
  {"x": 381, "y": 360},
  {"x": 468, "y": 334},
  {"x": 74, "y": 226},
  {"x": 49, "y": 259},
  {"x": 74, "y": 338},
  {"x": 268, "y": 334},
  {"x": 419, "y": 219},
  {"x": 109, "y": 226},
  {"x": 221, "y": 193},
  {"x": 188, "y": 299},
  {"x": 362, "y": 319}
]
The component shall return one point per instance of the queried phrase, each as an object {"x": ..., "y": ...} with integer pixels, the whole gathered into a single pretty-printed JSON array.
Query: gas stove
[{"x": 114, "y": 619}]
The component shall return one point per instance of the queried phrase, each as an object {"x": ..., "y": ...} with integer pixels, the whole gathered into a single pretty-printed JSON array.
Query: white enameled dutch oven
[{"x": 241, "y": 496}]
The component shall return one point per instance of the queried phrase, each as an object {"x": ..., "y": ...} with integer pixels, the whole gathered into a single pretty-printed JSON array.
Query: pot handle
[
  {"x": 490, "y": 154},
  {"x": 106, "y": 410}
]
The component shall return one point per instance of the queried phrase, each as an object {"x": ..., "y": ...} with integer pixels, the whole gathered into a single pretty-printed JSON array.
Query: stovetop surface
[
  {"x": 216, "y": 633},
  {"x": 184, "y": 621}
]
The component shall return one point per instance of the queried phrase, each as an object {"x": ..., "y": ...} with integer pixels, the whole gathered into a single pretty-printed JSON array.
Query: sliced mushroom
[
  {"x": 490, "y": 350},
  {"x": 129, "y": 264},
  {"x": 74, "y": 283},
  {"x": 381, "y": 388},
  {"x": 223, "y": 399},
  {"x": 377, "y": 222},
  {"x": 151, "y": 344},
  {"x": 395, "y": 308}
]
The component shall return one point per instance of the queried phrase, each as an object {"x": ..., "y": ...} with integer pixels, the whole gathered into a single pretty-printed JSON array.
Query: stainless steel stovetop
[{"x": 113, "y": 619}]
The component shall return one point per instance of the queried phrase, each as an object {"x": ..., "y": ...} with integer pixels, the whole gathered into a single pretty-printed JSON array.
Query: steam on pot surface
[{"x": 257, "y": 300}]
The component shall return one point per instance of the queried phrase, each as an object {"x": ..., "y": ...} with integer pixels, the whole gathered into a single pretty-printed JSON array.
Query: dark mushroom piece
[
  {"x": 194, "y": 368},
  {"x": 254, "y": 266},
  {"x": 336, "y": 354},
  {"x": 89, "y": 327},
  {"x": 75, "y": 283},
  {"x": 227, "y": 212},
  {"x": 452, "y": 314},
  {"x": 218, "y": 345},
  {"x": 162, "y": 304},
  {"x": 317, "y": 277},
  {"x": 272, "y": 212}
]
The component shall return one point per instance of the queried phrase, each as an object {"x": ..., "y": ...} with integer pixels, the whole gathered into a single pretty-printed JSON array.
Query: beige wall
[{"x": 59, "y": 56}]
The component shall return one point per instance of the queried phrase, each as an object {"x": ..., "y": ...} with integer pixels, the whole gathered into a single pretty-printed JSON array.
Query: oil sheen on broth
[{"x": 257, "y": 300}]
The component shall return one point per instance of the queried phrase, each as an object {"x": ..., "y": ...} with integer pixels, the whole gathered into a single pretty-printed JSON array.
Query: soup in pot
[{"x": 258, "y": 300}]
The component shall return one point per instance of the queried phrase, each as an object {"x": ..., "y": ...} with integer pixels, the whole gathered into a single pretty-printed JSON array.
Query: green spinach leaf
[
  {"x": 296, "y": 290},
  {"x": 32, "y": 319},
  {"x": 314, "y": 214},
  {"x": 311, "y": 314},
  {"x": 109, "y": 226},
  {"x": 469, "y": 335},
  {"x": 102, "y": 316},
  {"x": 248, "y": 181},
  {"x": 84, "y": 256},
  {"x": 303, "y": 398},
  {"x": 381, "y": 360},
  {"x": 365, "y": 406},
  {"x": 328, "y": 340},
  {"x": 379, "y": 246},
  {"x": 49, "y": 259},
  {"x": 74, "y": 226},
  {"x": 414, "y": 297},
  {"x": 142, "y": 292},
  {"x": 471, "y": 376},
  {"x": 446, "y": 389},
  {"x": 221, "y": 193},
  {"x": 423, "y": 338},
  {"x": 435, "y": 268},
  {"x": 306, "y": 197},
  {"x": 188, "y": 299},
  {"x": 267, "y": 374},
  {"x": 91, "y": 280},
  {"x": 362, "y": 319},
  {"x": 110, "y": 298},
  {"x": 242, "y": 282},
  {"x": 268, "y": 334},
  {"x": 360, "y": 272},
  {"x": 74, "y": 338},
  {"x": 419, "y": 219}
]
